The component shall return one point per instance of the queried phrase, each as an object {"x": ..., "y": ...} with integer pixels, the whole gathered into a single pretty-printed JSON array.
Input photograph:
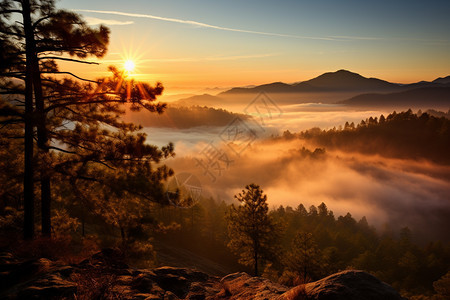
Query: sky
[{"x": 190, "y": 45}]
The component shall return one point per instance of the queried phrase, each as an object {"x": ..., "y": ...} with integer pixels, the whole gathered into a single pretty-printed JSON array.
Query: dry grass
[
  {"x": 61, "y": 248},
  {"x": 94, "y": 284},
  {"x": 297, "y": 293}
]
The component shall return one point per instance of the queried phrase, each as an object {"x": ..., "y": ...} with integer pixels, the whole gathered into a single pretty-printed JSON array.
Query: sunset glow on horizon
[{"x": 193, "y": 45}]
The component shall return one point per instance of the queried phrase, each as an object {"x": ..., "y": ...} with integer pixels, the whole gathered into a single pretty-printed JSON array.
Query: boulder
[
  {"x": 346, "y": 285},
  {"x": 48, "y": 287}
]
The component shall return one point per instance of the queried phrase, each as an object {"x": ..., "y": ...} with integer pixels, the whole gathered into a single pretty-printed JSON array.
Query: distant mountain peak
[
  {"x": 343, "y": 71},
  {"x": 442, "y": 80},
  {"x": 347, "y": 80}
]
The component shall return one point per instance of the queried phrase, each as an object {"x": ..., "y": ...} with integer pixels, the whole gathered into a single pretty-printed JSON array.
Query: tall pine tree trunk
[
  {"x": 28, "y": 183},
  {"x": 42, "y": 135}
]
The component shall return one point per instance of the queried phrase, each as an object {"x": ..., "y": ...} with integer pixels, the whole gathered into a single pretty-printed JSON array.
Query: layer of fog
[
  {"x": 386, "y": 191},
  {"x": 294, "y": 118}
]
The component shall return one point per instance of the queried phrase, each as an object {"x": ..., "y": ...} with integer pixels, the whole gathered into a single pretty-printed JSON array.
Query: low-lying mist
[{"x": 387, "y": 191}]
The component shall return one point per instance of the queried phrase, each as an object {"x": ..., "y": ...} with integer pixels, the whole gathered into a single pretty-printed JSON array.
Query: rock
[
  {"x": 48, "y": 287},
  {"x": 243, "y": 286},
  {"x": 144, "y": 283},
  {"x": 170, "y": 296},
  {"x": 184, "y": 283},
  {"x": 175, "y": 284},
  {"x": 111, "y": 258},
  {"x": 190, "y": 275},
  {"x": 145, "y": 297},
  {"x": 106, "y": 274},
  {"x": 6, "y": 258},
  {"x": 346, "y": 285},
  {"x": 15, "y": 273}
]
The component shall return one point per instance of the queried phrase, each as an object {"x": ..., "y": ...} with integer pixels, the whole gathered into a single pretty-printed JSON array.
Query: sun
[{"x": 129, "y": 66}]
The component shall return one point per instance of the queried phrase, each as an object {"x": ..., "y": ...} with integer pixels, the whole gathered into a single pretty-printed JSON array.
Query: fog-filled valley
[
  {"x": 374, "y": 174},
  {"x": 388, "y": 163}
]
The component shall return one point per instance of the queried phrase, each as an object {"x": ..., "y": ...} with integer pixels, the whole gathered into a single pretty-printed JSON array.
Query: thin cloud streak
[
  {"x": 97, "y": 21},
  {"x": 204, "y": 25},
  {"x": 338, "y": 38},
  {"x": 352, "y": 38}
]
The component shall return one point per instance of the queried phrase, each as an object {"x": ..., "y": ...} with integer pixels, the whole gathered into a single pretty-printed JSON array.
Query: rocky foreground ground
[{"x": 105, "y": 276}]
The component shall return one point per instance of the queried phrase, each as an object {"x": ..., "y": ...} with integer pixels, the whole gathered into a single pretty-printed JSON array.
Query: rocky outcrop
[
  {"x": 106, "y": 276},
  {"x": 34, "y": 279},
  {"x": 346, "y": 285},
  {"x": 244, "y": 286}
]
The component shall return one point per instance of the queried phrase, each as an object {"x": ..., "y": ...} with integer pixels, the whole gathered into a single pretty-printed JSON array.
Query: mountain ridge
[
  {"x": 343, "y": 85},
  {"x": 341, "y": 80},
  {"x": 435, "y": 96}
]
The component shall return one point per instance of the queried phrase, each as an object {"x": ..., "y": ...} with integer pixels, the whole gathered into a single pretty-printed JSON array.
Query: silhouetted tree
[
  {"x": 304, "y": 256},
  {"x": 45, "y": 36},
  {"x": 253, "y": 234}
]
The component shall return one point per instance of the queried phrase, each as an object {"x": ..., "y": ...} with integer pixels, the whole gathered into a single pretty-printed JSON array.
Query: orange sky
[{"x": 198, "y": 44}]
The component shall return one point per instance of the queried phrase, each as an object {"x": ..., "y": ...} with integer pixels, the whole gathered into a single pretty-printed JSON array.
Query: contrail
[{"x": 204, "y": 25}]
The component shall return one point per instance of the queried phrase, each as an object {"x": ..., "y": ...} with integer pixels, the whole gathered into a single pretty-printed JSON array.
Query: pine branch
[
  {"x": 62, "y": 150},
  {"x": 70, "y": 59},
  {"x": 69, "y": 73},
  {"x": 11, "y": 74},
  {"x": 11, "y": 121},
  {"x": 35, "y": 24},
  {"x": 60, "y": 105},
  {"x": 12, "y": 33},
  {"x": 42, "y": 49},
  {"x": 9, "y": 11},
  {"x": 103, "y": 163}
]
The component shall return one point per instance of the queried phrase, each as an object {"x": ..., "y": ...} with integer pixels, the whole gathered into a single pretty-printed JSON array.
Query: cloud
[
  {"x": 348, "y": 37},
  {"x": 97, "y": 21},
  {"x": 205, "y": 25}
]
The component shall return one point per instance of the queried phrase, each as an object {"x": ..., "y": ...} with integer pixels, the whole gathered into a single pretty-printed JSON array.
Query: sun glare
[{"x": 128, "y": 65}]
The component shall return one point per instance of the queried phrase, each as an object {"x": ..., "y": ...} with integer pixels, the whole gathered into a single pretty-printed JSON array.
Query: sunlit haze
[{"x": 129, "y": 65}]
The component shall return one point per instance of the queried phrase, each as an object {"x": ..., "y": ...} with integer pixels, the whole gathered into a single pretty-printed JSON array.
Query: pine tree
[
  {"x": 46, "y": 36},
  {"x": 253, "y": 234},
  {"x": 304, "y": 257}
]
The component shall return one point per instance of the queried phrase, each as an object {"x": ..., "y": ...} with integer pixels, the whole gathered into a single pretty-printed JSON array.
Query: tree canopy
[{"x": 71, "y": 127}]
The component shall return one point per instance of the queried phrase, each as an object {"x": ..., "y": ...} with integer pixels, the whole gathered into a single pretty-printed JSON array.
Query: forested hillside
[
  {"x": 183, "y": 117},
  {"x": 400, "y": 135},
  {"x": 315, "y": 243}
]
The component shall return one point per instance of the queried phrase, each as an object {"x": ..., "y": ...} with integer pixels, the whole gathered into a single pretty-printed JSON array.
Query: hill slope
[
  {"x": 427, "y": 96},
  {"x": 200, "y": 100},
  {"x": 183, "y": 117}
]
